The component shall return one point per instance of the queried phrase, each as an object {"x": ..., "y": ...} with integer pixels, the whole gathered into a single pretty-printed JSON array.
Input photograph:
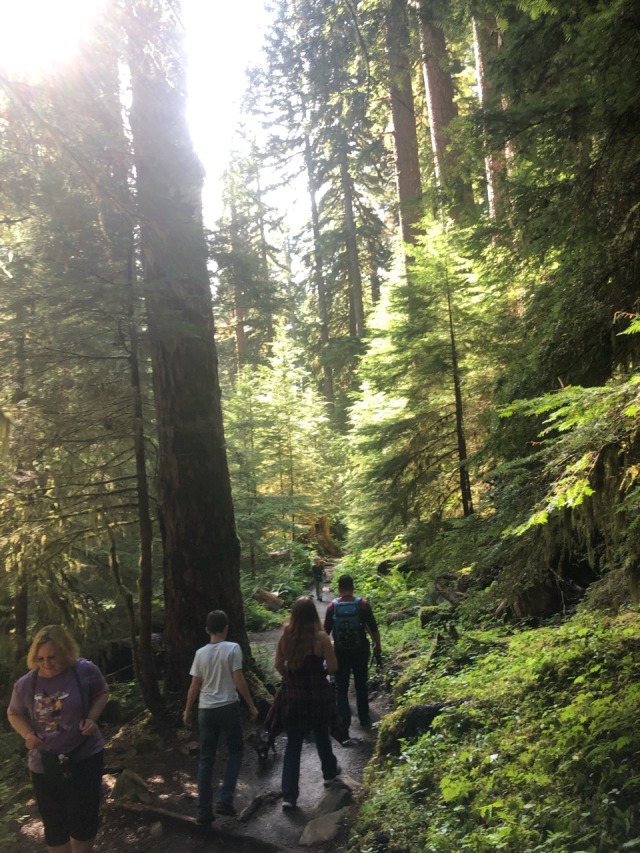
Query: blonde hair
[{"x": 63, "y": 641}]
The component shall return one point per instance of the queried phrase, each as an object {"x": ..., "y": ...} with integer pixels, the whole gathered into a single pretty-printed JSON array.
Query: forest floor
[{"x": 168, "y": 767}]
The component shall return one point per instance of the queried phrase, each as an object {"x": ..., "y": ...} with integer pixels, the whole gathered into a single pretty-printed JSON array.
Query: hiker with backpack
[{"x": 350, "y": 621}]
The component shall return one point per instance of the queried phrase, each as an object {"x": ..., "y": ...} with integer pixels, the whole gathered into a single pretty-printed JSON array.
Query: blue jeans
[
  {"x": 212, "y": 722},
  {"x": 357, "y": 662},
  {"x": 291, "y": 762}
]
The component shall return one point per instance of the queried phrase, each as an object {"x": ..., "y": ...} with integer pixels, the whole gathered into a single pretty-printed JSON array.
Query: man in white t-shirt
[{"x": 217, "y": 678}]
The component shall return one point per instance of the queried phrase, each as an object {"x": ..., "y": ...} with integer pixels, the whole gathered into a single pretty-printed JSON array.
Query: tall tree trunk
[
  {"x": 21, "y": 610},
  {"x": 21, "y": 589},
  {"x": 465, "y": 483},
  {"x": 117, "y": 226},
  {"x": 266, "y": 284},
  {"x": 146, "y": 668},
  {"x": 458, "y": 195},
  {"x": 318, "y": 275},
  {"x": 239, "y": 301},
  {"x": 486, "y": 42},
  {"x": 354, "y": 276},
  {"x": 405, "y": 136},
  {"x": 201, "y": 549}
]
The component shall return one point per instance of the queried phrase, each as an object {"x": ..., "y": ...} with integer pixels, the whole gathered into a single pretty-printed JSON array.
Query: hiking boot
[
  {"x": 288, "y": 805},
  {"x": 226, "y": 809}
]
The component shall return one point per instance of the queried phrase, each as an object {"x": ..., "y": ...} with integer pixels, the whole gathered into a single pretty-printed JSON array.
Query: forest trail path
[
  {"x": 169, "y": 769},
  {"x": 284, "y": 828}
]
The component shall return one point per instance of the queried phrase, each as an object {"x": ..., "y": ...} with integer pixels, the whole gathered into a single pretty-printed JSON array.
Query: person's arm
[
  {"x": 89, "y": 725},
  {"x": 372, "y": 627},
  {"x": 375, "y": 636},
  {"x": 22, "y": 724},
  {"x": 329, "y": 654},
  {"x": 243, "y": 689},
  {"x": 280, "y": 661},
  {"x": 328, "y": 619},
  {"x": 192, "y": 695}
]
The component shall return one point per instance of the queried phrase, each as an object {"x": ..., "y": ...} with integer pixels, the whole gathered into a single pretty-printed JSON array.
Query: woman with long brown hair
[{"x": 306, "y": 702}]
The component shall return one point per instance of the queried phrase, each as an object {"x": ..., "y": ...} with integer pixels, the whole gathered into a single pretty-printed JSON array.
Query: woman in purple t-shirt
[{"x": 55, "y": 708}]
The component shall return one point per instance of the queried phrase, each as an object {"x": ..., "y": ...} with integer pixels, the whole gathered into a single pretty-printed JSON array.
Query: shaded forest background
[
  {"x": 442, "y": 351},
  {"x": 437, "y": 362}
]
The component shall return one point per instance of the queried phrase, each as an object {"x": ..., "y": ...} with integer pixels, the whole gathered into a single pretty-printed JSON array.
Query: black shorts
[{"x": 70, "y": 808}]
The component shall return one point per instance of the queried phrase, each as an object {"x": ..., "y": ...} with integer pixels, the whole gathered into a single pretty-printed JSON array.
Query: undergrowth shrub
[
  {"x": 15, "y": 787},
  {"x": 535, "y": 745}
]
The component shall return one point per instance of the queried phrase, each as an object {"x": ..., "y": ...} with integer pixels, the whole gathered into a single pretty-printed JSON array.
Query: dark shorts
[{"x": 70, "y": 808}]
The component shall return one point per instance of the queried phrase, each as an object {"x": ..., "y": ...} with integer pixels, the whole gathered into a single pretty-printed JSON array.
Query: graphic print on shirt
[{"x": 48, "y": 710}]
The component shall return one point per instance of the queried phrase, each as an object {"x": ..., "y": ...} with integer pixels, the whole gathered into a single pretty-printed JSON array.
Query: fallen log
[{"x": 269, "y": 599}]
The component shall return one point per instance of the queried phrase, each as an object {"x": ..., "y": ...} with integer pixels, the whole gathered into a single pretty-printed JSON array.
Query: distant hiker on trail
[
  {"x": 350, "y": 620},
  {"x": 317, "y": 568},
  {"x": 217, "y": 678},
  {"x": 305, "y": 701}
]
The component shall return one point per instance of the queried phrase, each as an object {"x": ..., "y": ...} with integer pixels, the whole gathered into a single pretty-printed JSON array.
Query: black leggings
[{"x": 70, "y": 807}]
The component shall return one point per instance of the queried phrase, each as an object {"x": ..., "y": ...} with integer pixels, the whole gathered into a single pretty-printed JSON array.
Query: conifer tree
[
  {"x": 286, "y": 460},
  {"x": 201, "y": 549}
]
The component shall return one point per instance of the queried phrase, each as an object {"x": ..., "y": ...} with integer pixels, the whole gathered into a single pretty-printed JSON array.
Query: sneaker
[
  {"x": 350, "y": 741},
  {"x": 226, "y": 809},
  {"x": 288, "y": 805},
  {"x": 329, "y": 782}
]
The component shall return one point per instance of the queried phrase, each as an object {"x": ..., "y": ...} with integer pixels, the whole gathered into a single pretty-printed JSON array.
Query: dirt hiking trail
[{"x": 167, "y": 767}]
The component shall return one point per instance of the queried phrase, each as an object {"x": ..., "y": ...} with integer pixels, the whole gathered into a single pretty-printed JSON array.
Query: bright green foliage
[
  {"x": 406, "y": 457},
  {"x": 285, "y": 461},
  {"x": 250, "y": 291},
  {"x": 67, "y": 301},
  {"x": 580, "y": 426},
  {"x": 15, "y": 786},
  {"x": 535, "y": 749},
  {"x": 570, "y": 112},
  {"x": 323, "y": 122},
  {"x": 386, "y": 591}
]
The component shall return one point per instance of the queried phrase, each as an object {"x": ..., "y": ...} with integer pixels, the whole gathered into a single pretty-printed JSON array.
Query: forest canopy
[
  {"x": 440, "y": 353},
  {"x": 409, "y": 341}
]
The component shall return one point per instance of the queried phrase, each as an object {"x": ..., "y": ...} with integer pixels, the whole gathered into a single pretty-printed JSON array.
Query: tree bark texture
[
  {"x": 486, "y": 42},
  {"x": 458, "y": 196},
  {"x": 465, "y": 482},
  {"x": 356, "y": 304},
  {"x": 405, "y": 135},
  {"x": 145, "y": 657},
  {"x": 318, "y": 274},
  {"x": 239, "y": 298},
  {"x": 201, "y": 549}
]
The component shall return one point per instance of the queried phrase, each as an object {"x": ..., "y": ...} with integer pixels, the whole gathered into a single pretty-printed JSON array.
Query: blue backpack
[{"x": 347, "y": 633}]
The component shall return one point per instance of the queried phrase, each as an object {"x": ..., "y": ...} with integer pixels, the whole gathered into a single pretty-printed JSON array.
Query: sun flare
[{"x": 36, "y": 34}]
